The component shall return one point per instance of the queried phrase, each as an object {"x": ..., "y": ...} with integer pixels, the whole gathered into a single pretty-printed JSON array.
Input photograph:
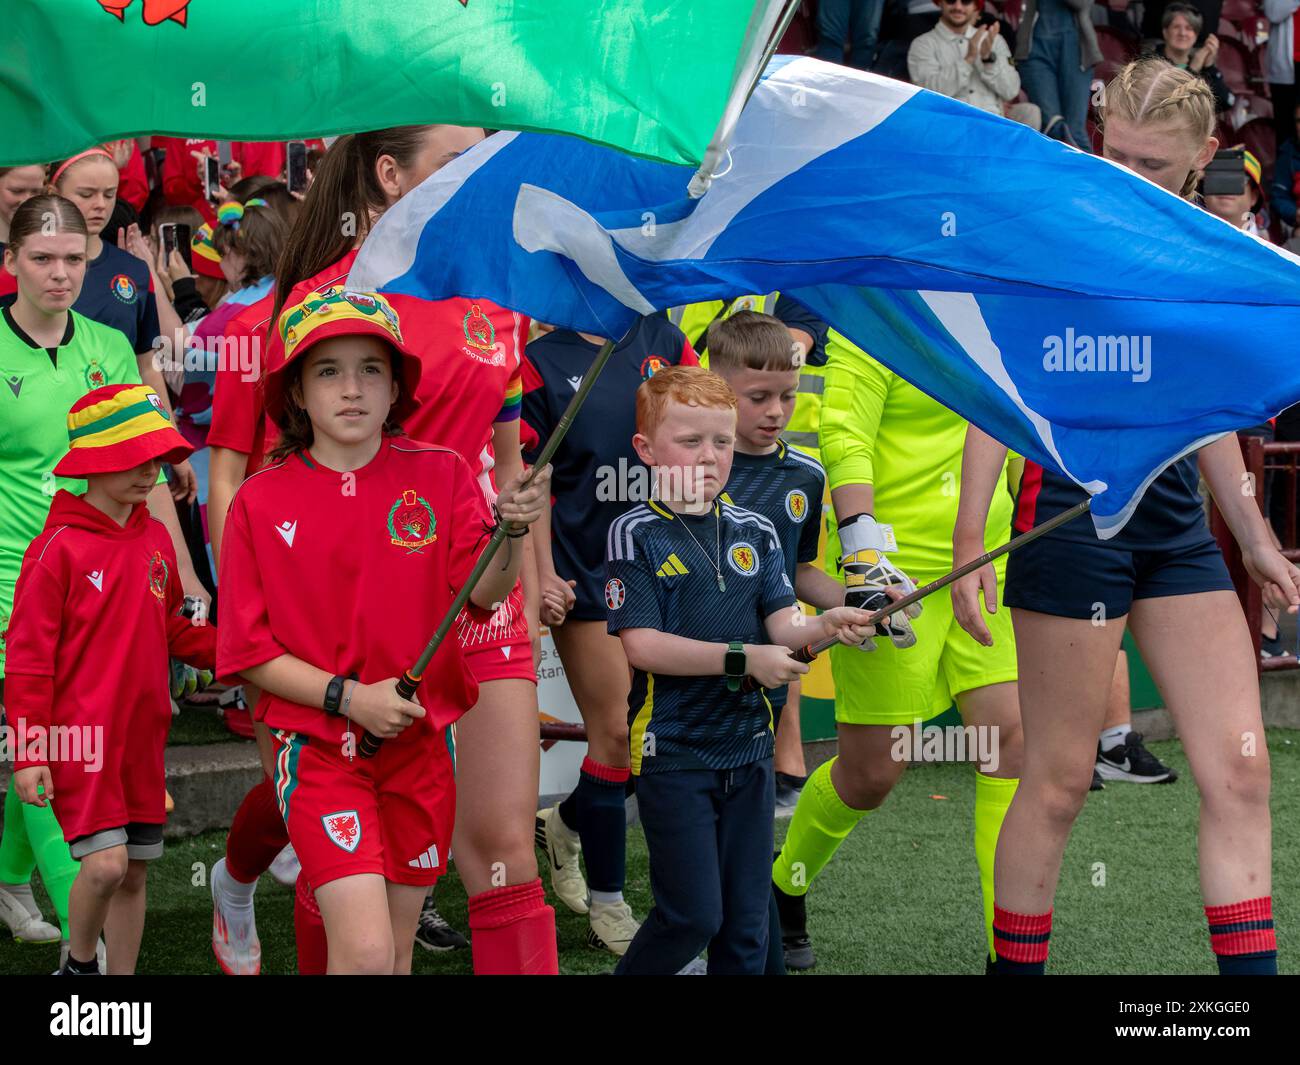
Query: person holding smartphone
[{"x": 965, "y": 57}]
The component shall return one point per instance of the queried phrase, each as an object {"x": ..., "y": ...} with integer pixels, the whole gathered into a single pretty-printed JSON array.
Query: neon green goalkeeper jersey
[{"x": 878, "y": 429}]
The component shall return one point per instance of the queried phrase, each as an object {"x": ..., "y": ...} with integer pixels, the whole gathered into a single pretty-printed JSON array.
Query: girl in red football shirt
[
  {"x": 470, "y": 395},
  {"x": 338, "y": 561}
]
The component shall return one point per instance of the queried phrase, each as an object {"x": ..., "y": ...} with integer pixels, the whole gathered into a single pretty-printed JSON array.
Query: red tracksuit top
[{"x": 96, "y": 613}]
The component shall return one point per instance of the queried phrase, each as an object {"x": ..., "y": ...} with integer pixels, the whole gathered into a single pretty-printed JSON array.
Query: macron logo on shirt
[
  {"x": 97, "y": 579},
  {"x": 286, "y": 529}
]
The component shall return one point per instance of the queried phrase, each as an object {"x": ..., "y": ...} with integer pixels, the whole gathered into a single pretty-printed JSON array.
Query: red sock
[
  {"x": 309, "y": 931},
  {"x": 1020, "y": 940},
  {"x": 1242, "y": 937},
  {"x": 257, "y": 834},
  {"x": 513, "y": 932}
]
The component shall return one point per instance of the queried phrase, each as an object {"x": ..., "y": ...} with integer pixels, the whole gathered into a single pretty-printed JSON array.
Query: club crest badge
[
  {"x": 158, "y": 574},
  {"x": 796, "y": 506},
  {"x": 481, "y": 337},
  {"x": 123, "y": 288},
  {"x": 651, "y": 365},
  {"x": 343, "y": 829},
  {"x": 615, "y": 593},
  {"x": 95, "y": 376},
  {"x": 743, "y": 560},
  {"x": 156, "y": 403},
  {"x": 411, "y": 523}
]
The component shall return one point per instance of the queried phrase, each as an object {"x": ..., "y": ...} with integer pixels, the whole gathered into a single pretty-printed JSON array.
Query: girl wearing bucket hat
[
  {"x": 49, "y": 356},
  {"x": 338, "y": 560},
  {"x": 102, "y": 575}
]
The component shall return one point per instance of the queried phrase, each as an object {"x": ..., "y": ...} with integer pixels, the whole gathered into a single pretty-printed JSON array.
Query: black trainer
[
  {"x": 1096, "y": 784},
  {"x": 436, "y": 934},
  {"x": 1131, "y": 761},
  {"x": 797, "y": 946}
]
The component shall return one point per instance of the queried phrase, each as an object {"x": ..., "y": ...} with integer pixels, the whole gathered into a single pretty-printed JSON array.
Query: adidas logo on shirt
[
  {"x": 672, "y": 568},
  {"x": 427, "y": 860},
  {"x": 286, "y": 529},
  {"x": 97, "y": 579}
]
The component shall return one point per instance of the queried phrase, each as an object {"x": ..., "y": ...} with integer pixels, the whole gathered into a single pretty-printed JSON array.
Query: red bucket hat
[
  {"x": 117, "y": 428},
  {"x": 334, "y": 312}
]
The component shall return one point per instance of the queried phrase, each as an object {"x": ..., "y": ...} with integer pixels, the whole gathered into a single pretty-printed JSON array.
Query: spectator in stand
[
  {"x": 1056, "y": 49},
  {"x": 857, "y": 21},
  {"x": 903, "y": 22},
  {"x": 1245, "y": 209},
  {"x": 1180, "y": 26},
  {"x": 18, "y": 184},
  {"x": 1153, "y": 15},
  {"x": 1282, "y": 63},
  {"x": 969, "y": 63},
  {"x": 133, "y": 184},
  {"x": 1286, "y": 175},
  {"x": 177, "y": 278}
]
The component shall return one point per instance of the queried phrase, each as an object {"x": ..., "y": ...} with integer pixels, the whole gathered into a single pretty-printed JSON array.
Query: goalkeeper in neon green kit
[{"x": 893, "y": 454}]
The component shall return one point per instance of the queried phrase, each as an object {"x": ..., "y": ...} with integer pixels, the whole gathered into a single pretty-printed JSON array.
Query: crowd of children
[{"x": 329, "y": 497}]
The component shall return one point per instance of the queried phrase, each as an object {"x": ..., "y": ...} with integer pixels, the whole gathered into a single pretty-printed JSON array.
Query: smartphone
[
  {"x": 1226, "y": 173},
  {"x": 295, "y": 165},
  {"x": 223, "y": 152},
  {"x": 211, "y": 178},
  {"x": 176, "y": 236},
  {"x": 987, "y": 18}
]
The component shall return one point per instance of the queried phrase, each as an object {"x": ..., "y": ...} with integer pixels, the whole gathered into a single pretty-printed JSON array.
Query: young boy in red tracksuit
[
  {"x": 97, "y": 611},
  {"x": 337, "y": 563}
]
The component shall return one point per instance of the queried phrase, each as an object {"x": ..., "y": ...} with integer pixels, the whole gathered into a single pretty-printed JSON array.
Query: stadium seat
[
  {"x": 1229, "y": 30},
  {"x": 1117, "y": 48},
  {"x": 800, "y": 35},
  {"x": 1253, "y": 31},
  {"x": 1011, "y": 11},
  {"x": 1236, "y": 64},
  {"x": 1236, "y": 10}
]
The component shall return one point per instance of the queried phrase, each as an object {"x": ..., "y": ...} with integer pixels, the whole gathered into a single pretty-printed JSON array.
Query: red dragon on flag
[{"x": 155, "y": 11}]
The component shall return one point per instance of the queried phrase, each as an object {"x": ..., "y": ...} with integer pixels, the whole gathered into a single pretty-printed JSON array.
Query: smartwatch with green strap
[{"x": 733, "y": 665}]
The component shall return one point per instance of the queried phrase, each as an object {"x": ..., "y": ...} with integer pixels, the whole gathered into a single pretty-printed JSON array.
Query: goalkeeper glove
[{"x": 868, "y": 572}]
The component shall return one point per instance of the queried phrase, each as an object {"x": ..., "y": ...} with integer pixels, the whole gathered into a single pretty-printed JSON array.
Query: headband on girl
[
  {"x": 77, "y": 158},
  {"x": 231, "y": 213}
]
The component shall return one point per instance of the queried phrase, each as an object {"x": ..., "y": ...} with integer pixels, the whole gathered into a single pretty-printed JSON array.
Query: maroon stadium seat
[
  {"x": 1236, "y": 10},
  {"x": 1254, "y": 31},
  {"x": 1228, "y": 29},
  {"x": 1117, "y": 48},
  {"x": 1236, "y": 64}
]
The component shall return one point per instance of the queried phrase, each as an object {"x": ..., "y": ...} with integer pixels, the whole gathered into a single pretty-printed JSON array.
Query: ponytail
[{"x": 343, "y": 197}]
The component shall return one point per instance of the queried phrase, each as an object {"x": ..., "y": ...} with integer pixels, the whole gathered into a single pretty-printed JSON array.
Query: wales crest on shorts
[
  {"x": 411, "y": 522},
  {"x": 343, "y": 829}
]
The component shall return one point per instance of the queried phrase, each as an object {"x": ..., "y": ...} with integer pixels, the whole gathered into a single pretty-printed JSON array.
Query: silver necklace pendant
[{"x": 722, "y": 584}]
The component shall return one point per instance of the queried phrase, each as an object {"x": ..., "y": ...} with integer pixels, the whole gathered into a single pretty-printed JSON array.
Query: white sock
[
  {"x": 606, "y": 898},
  {"x": 1115, "y": 735},
  {"x": 234, "y": 895}
]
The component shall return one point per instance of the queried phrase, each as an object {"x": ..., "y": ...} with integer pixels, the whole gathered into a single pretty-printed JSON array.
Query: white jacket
[
  {"x": 937, "y": 61},
  {"x": 1280, "y": 67}
]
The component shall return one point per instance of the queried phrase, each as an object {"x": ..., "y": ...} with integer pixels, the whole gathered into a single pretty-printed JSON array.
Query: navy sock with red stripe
[
  {"x": 602, "y": 823},
  {"x": 1242, "y": 937},
  {"x": 1020, "y": 940}
]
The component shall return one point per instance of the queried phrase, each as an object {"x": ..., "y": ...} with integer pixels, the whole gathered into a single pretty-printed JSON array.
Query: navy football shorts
[{"x": 1078, "y": 579}]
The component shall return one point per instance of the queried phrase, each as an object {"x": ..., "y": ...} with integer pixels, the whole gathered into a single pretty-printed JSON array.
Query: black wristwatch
[
  {"x": 733, "y": 665},
  {"x": 334, "y": 694}
]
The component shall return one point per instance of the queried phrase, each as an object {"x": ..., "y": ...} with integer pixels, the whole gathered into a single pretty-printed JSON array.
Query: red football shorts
[
  {"x": 392, "y": 814},
  {"x": 498, "y": 649}
]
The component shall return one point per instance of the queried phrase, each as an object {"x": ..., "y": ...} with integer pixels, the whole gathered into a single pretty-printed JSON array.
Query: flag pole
[
  {"x": 410, "y": 680},
  {"x": 769, "y": 29}
]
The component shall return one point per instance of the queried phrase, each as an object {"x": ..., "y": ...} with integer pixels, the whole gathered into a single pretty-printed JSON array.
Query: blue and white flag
[{"x": 1073, "y": 310}]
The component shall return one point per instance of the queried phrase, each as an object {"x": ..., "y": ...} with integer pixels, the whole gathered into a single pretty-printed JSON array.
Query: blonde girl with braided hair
[{"x": 1072, "y": 596}]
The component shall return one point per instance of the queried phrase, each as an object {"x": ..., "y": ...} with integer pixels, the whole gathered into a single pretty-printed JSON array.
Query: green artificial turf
[{"x": 902, "y": 895}]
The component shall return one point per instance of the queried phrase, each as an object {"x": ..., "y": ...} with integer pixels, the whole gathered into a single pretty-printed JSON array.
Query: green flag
[{"x": 650, "y": 77}]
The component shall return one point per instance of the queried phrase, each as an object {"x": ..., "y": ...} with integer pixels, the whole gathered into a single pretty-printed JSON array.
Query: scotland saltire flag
[{"x": 1073, "y": 310}]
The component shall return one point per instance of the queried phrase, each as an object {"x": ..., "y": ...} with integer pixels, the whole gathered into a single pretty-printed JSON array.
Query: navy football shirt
[
  {"x": 596, "y": 474},
  {"x": 118, "y": 292},
  {"x": 659, "y": 577},
  {"x": 785, "y": 487}
]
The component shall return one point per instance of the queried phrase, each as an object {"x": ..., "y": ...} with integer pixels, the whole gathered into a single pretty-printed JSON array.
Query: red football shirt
[
  {"x": 352, "y": 573},
  {"x": 239, "y": 420},
  {"x": 471, "y": 351},
  {"x": 96, "y": 612}
]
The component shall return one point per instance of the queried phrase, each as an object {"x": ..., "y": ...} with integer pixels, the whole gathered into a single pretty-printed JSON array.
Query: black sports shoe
[
  {"x": 1271, "y": 647},
  {"x": 1131, "y": 761},
  {"x": 788, "y": 788},
  {"x": 436, "y": 934},
  {"x": 1096, "y": 784},
  {"x": 797, "y": 946}
]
